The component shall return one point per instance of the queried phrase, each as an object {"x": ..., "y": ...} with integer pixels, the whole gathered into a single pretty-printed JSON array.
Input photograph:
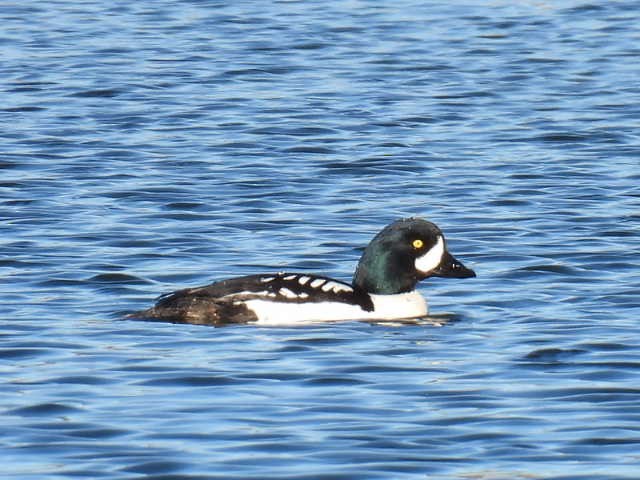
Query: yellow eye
[{"x": 417, "y": 243}]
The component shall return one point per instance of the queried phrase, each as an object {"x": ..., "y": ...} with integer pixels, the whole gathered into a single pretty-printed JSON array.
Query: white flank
[
  {"x": 267, "y": 279},
  {"x": 303, "y": 280},
  {"x": 317, "y": 282},
  {"x": 402, "y": 305},
  {"x": 430, "y": 260},
  {"x": 290, "y": 277},
  {"x": 386, "y": 307}
]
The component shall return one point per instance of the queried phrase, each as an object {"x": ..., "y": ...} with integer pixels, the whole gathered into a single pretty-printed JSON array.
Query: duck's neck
[{"x": 376, "y": 274}]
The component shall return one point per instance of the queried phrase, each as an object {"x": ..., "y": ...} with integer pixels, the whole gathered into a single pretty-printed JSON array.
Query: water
[{"x": 149, "y": 146}]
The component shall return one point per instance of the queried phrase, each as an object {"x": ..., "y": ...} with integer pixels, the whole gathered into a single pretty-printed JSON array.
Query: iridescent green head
[{"x": 402, "y": 254}]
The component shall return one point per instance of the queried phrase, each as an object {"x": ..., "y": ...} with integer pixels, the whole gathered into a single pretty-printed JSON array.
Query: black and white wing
[
  {"x": 305, "y": 288},
  {"x": 225, "y": 301}
]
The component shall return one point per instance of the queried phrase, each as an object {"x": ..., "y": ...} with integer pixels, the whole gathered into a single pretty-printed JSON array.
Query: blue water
[{"x": 148, "y": 146}]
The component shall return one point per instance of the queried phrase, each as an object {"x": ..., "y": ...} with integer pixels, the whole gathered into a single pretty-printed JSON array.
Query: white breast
[{"x": 386, "y": 307}]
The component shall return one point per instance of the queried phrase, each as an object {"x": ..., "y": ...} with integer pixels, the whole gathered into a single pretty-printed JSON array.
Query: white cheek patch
[{"x": 431, "y": 259}]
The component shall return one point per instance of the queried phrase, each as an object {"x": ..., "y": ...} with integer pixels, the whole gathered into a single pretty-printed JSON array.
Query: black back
[{"x": 279, "y": 287}]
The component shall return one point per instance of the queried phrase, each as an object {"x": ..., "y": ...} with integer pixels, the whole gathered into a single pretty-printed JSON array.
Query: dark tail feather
[{"x": 148, "y": 314}]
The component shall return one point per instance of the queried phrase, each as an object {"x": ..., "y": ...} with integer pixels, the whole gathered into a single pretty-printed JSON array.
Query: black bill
[{"x": 450, "y": 267}]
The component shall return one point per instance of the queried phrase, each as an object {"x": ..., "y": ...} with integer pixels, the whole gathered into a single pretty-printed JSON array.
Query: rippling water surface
[{"x": 148, "y": 146}]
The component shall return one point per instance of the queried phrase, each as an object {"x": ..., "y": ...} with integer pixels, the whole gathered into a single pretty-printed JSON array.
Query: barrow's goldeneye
[{"x": 383, "y": 288}]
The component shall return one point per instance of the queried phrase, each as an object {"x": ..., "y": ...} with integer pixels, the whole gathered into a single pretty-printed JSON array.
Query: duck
[{"x": 383, "y": 288}]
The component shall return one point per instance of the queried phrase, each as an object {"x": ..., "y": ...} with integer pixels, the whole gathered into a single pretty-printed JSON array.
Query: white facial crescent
[{"x": 432, "y": 258}]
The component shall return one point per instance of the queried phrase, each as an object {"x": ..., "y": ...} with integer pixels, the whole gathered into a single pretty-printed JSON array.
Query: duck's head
[{"x": 402, "y": 254}]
